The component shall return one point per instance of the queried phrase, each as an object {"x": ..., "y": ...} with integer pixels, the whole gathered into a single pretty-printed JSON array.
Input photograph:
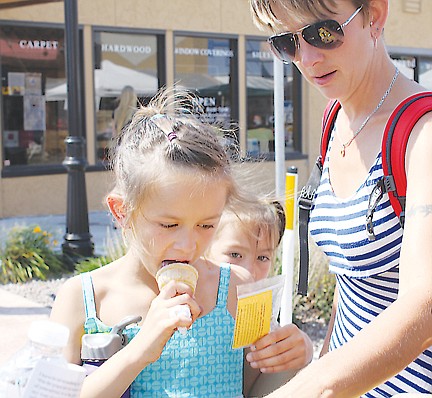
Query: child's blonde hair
[
  {"x": 168, "y": 135},
  {"x": 262, "y": 217}
]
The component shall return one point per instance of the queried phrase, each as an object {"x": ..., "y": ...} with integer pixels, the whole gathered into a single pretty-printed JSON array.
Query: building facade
[{"x": 209, "y": 47}]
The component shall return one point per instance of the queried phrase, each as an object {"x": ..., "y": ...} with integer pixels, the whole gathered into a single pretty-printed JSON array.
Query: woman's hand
[
  {"x": 285, "y": 348},
  {"x": 163, "y": 319}
]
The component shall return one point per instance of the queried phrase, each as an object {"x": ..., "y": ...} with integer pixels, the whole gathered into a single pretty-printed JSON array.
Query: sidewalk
[
  {"x": 16, "y": 312},
  {"x": 16, "y": 315}
]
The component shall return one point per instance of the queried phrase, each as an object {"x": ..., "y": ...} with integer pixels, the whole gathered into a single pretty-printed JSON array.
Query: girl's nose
[
  {"x": 186, "y": 241},
  {"x": 250, "y": 266}
]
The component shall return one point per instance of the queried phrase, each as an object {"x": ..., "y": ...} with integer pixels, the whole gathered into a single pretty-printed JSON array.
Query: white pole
[
  {"x": 281, "y": 179},
  {"x": 288, "y": 246},
  {"x": 279, "y": 124}
]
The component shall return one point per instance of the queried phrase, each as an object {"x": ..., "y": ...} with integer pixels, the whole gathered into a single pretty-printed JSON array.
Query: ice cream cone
[{"x": 180, "y": 272}]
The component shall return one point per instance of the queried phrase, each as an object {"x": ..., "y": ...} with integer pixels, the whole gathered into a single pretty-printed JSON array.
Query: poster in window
[
  {"x": 34, "y": 112},
  {"x": 10, "y": 138},
  {"x": 33, "y": 83},
  {"x": 16, "y": 83}
]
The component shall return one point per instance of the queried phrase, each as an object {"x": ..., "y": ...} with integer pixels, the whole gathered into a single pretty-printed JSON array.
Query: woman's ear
[
  {"x": 378, "y": 13},
  {"x": 117, "y": 208}
]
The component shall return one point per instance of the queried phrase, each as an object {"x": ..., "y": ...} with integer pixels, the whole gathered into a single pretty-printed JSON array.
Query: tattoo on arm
[{"x": 423, "y": 210}]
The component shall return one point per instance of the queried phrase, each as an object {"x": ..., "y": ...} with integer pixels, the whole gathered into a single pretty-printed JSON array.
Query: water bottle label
[{"x": 49, "y": 380}]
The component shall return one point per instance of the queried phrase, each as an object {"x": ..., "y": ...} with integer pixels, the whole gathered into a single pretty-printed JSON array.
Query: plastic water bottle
[
  {"x": 96, "y": 348},
  {"x": 39, "y": 369}
]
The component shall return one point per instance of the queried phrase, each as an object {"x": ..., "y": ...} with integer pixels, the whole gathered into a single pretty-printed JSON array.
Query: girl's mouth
[{"x": 168, "y": 262}]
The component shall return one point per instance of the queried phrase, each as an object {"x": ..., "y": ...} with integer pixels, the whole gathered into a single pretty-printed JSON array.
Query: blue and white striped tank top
[{"x": 367, "y": 273}]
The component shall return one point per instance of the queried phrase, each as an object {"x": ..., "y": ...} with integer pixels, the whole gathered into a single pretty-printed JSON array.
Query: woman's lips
[{"x": 323, "y": 79}]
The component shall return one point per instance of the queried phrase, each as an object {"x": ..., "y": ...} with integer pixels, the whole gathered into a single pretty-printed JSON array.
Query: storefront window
[
  {"x": 260, "y": 110},
  {"x": 406, "y": 64},
  {"x": 425, "y": 72},
  {"x": 33, "y": 93},
  {"x": 418, "y": 68},
  {"x": 121, "y": 59},
  {"x": 208, "y": 67}
]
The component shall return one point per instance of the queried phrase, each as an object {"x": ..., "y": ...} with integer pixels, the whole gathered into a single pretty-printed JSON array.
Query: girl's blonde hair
[
  {"x": 126, "y": 108},
  {"x": 260, "y": 217},
  {"x": 168, "y": 135}
]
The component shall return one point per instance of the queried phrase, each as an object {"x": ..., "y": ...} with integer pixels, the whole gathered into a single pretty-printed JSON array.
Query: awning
[{"x": 21, "y": 3}]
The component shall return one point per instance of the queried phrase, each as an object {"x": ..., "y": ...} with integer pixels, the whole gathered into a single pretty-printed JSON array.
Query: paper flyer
[
  {"x": 253, "y": 318},
  {"x": 33, "y": 84},
  {"x": 34, "y": 112},
  {"x": 52, "y": 381},
  {"x": 16, "y": 83}
]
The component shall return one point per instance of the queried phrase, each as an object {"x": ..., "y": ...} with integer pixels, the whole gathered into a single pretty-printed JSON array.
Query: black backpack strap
[
  {"x": 307, "y": 195},
  {"x": 393, "y": 148}
]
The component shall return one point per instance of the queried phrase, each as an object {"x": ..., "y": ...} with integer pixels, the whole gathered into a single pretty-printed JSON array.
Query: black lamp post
[{"x": 77, "y": 240}]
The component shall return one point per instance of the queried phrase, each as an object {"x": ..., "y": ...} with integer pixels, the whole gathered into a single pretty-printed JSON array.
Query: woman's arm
[
  {"x": 401, "y": 332},
  {"x": 326, "y": 343}
]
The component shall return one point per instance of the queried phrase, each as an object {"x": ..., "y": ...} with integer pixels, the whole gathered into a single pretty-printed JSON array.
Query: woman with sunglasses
[{"x": 379, "y": 342}]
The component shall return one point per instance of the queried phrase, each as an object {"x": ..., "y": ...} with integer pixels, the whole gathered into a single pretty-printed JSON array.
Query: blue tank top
[
  {"x": 200, "y": 363},
  {"x": 367, "y": 273}
]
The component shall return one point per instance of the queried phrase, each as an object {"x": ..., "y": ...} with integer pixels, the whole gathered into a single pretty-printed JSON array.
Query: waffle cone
[{"x": 180, "y": 272}]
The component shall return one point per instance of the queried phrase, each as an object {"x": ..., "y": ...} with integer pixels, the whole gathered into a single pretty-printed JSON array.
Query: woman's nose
[{"x": 306, "y": 54}]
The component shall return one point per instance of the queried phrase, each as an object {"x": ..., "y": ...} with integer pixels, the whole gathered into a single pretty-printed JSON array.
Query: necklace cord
[{"x": 359, "y": 130}]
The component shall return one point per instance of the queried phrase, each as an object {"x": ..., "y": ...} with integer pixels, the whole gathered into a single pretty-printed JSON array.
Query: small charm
[{"x": 343, "y": 151}]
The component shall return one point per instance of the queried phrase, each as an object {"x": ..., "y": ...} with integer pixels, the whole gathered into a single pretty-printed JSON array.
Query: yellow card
[{"x": 252, "y": 318}]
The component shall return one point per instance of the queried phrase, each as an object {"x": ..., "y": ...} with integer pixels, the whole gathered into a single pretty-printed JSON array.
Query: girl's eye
[
  {"x": 235, "y": 255},
  {"x": 206, "y": 226},
  {"x": 263, "y": 258},
  {"x": 167, "y": 226}
]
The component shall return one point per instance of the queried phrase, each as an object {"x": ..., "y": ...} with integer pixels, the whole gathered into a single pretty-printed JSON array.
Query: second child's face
[
  {"x": 178, "y": 220},
  {"x": 236, "y": 246}
]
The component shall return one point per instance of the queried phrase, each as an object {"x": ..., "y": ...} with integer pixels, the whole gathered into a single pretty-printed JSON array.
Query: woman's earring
[{"x": 376, "y": 38}]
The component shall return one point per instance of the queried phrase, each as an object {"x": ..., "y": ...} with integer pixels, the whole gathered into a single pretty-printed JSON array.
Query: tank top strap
[
  {"x": 88, "y": 295},
  {"x": 224, "y": 280},
  {"x": 92, "y": 324}
]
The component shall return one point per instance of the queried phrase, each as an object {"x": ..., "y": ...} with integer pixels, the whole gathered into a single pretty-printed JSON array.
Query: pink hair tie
[
  {"x": 163, "y": 123},
  {"x": 171, "y": 136}
]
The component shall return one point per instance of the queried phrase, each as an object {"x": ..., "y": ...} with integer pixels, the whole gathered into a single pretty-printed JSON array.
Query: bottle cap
[
  {"x": 100, "y": 345},
  {"x": 48, "y": 333}
]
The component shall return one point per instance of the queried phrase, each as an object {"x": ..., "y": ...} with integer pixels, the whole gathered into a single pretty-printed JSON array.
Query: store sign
[
  {"x": 204, "y": 52},
  {"x": 39, "y": 44},
  {"x": 212, "y": 111},
  {"x": 262, "y": 55},
  {"x": 125, "y": 48},
  {"x": 45, "y": 50}
]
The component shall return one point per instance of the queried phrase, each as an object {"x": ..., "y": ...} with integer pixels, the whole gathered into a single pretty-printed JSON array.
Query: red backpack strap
[
  {"x": 328, "y": 121},
  {"x": 395, "y": 141},
  {"x": 393, "y": 148}
]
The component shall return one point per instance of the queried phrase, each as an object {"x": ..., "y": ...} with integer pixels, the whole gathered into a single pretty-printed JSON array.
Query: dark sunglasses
[{"x": 326, "y": 35}]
